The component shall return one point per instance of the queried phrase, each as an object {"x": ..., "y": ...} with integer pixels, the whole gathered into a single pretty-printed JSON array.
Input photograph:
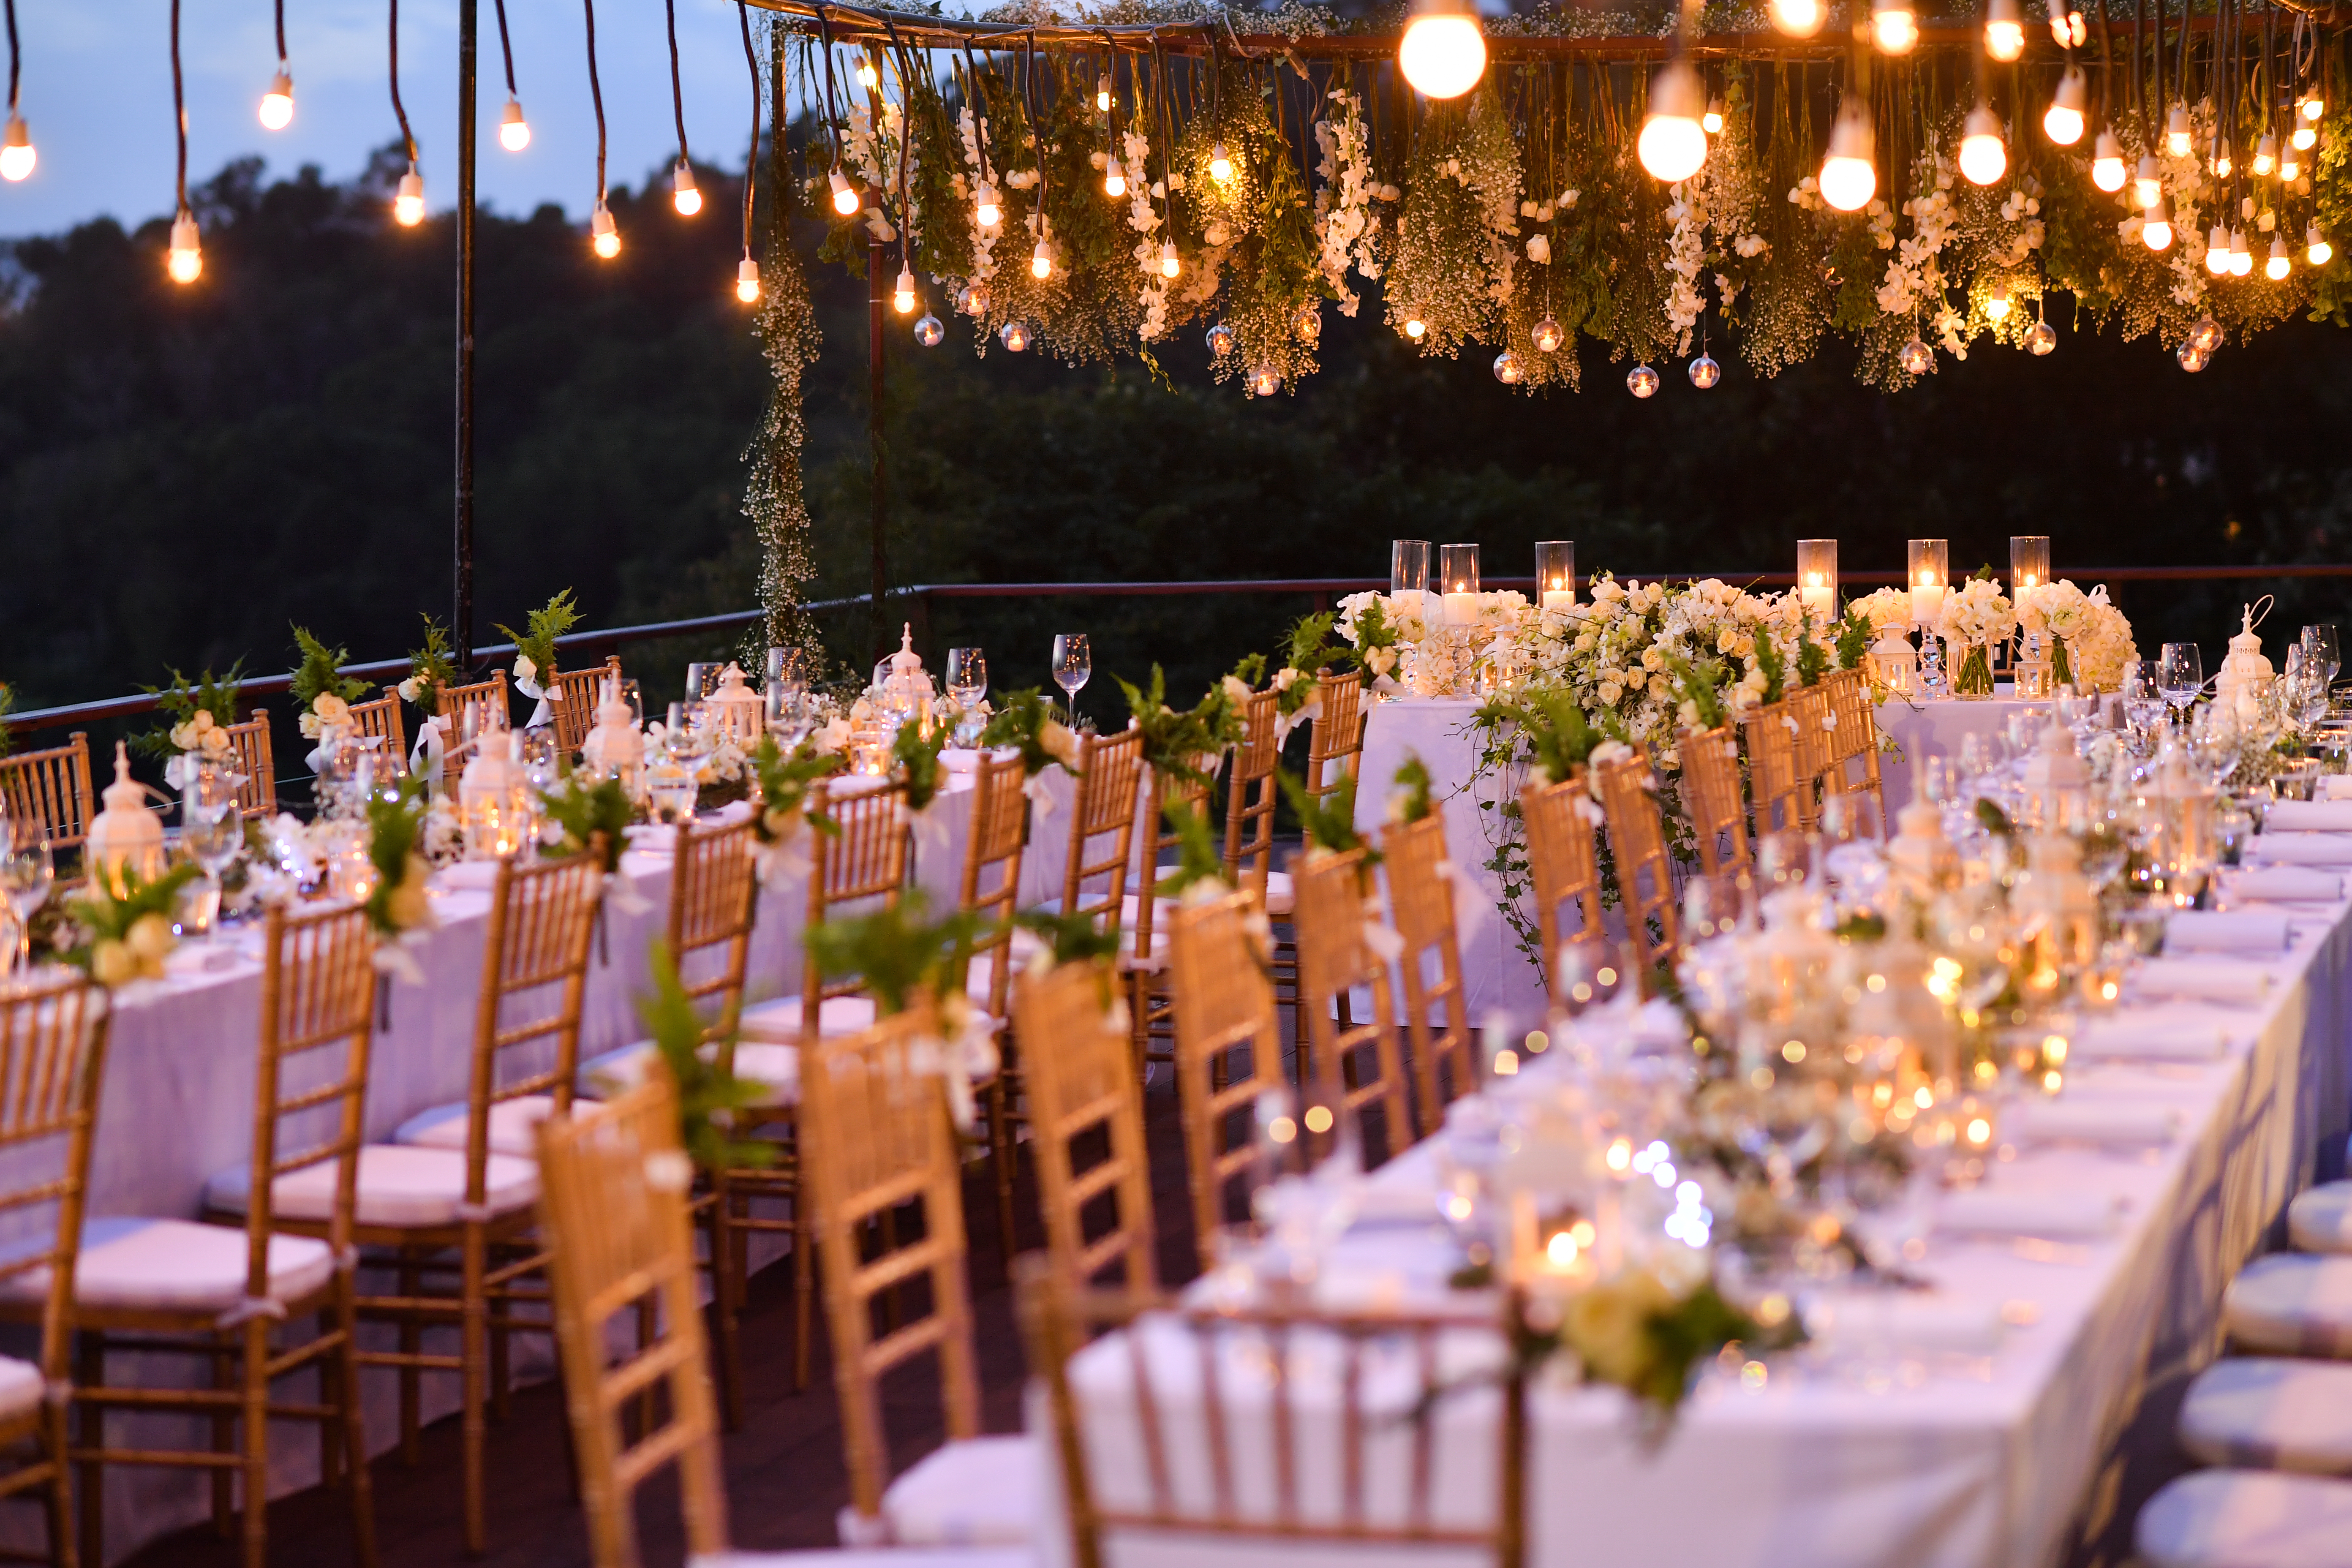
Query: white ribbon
[
  {"x": 432, "y": 742},
  {"x": 394, "y": 959},
  {"x": 934, "y": 827},
  {"x": 1040, "y": 794},
  {"x": 1383, "y": 941},
  {"x": 249, "y": 1307},
  {"x": 175, "y": 771},
  {"x": 1467, "y": 891},
  {"x": 542, "y": 714}
]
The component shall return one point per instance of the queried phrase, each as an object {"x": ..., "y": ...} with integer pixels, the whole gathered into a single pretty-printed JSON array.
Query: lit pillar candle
[
  {"x": 1817, "y": 579},
  {"x": 1929, "y": 574},
  {"x": 1556, "y": 573},
  {"x": 1457, "y": 574},
  {"x": 2029, "y": 562}
]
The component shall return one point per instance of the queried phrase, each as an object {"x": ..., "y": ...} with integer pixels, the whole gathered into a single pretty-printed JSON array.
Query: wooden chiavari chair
[
  {"x": 491, "y": 693},
  {"x": 877, "y": 1141},
  {"x": 1711, "y": 799},
  {"x": 52, "y": 789},
  {"x": 1224, "y": 1006},
  {"x": 1111, "y": 772},
  {"x": 1421, "y": 900},
  {"x": 285, "y": 1249},
  {"x": 1637, "y": 841},
  {"x": 1562, "y": 864},
  {"x": 1853, "y": 738},
  {"x": 1143, "y": 957},
  {"x": 991, "y": 890},
  {"x": 1084, "y": 1083},
  {"x": 1335, "y": 736},
  {"x": 1809, "y": 741},
  {"x": 1250, "y": 804},
  {"x": 1333, "y": 955},
  {"x": 1778, "y": 790},
  {"x": 572, "y": 698},
  {"x": 867, "y": 860},
  {"x": 384, "y": 720},
  {"x": 250, "y": 754},
  {"x": 1325, "y": 1450},
  {"x": 52, "y": 1061}
]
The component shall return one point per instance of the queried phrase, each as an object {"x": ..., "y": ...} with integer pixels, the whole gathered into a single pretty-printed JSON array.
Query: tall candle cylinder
[
  {"x": 1457, "y": 575},
  {"x": 1554, "y": 573},
  {"x": 1408, "y": 565},
  {"x": 1817, "y": 578},
  {"x": 1929, "y": 572},
  {"x": 2029, "y": 562}
]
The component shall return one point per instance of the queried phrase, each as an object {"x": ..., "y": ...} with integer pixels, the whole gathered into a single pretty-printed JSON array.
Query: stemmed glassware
[
  {"x": 27, "y": 870},
  {"x": 2179, "y": 674},
  {"x": 212, "y": 830},
  {"x": 2143, "y": 701},
  {"x": 1074, "y": 661},
  {"x": 967, "y": 683},
  {"x": 2321, "y": 647}
]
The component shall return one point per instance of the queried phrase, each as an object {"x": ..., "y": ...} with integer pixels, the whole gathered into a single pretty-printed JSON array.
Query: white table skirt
[{"x": 2041, "y": 1449}]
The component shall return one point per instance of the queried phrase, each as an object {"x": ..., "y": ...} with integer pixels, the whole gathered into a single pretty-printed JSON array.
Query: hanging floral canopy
[{"x": 1911, "y": 186}]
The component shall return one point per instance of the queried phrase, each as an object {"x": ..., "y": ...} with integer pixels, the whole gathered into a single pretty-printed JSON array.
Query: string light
[
  {"x": 986, "y": 207},
  {"x": 1041, "y": 260},
  {"x": 2147, "y": 185},
  {"x": 683, "y": 194},
  {"x": 1102, "y": 95},
  {"x": 2242, "y": 260},
  {"x": 514, "y": 131},
  {"x": 2317, "y": 249},
  {"x": 408, "y": 196},
  {"x": 2305, "y": 136},
  {"x": 604, "y": 234},
  {"x": 1673, "y": 144},
  {"x": 747, "y": 271},
  {"x": 902, "y": 299},
  {"x": 1168, "y": 265},
  {"x": 1850, "y": 173},
  {"x": 870, "y": 75},
  {"x": 1221, "y": 165},
  {"x": 2176, "y": 131},
  {"x": 2217, "y": 251},
  {"x": 17, "y": 154},
  {"x": 844, "y": 195},
  {"x": 408, "y": 204},
  {"x": 1799, "y": 19},
  {"x": 2222, "y": 162},
  {"x": 1414, "y": 328},
  {"x": 277, "y": 104},
  {"x": 1712, "y": 121},
  {"x": 2265, "y": 154},
  {"x": 2064, "y": 120},
  {"x": 603, "y": 237},
  {"x": 746, "y": 281},
  {"x": 1984, "y": 158},
  {"x": 1114, "y": 179},
  {"x": 1442, "y": 53},
  {"x": 2289, "y": 165},
  {"x": 2004, "y": 31},
  {"x": 2312, "y": 107},
  {"x": 1894, "y": 26},
  {"x": 2107, "y": 163},
  {"x": 2277, "y": 266},
  {"x": 2155, "y": 224},
  {"x": 185, "y": 260}
]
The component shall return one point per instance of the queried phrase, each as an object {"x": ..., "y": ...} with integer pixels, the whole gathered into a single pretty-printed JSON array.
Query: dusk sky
[{"x": 97, "y": 95}]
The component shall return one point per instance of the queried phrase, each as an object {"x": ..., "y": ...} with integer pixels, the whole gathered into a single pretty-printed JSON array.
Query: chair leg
[
  {"x": 473, "y": 1324},
  {"x": 803, "y": 1281},
  {"x": 726, "y": 1301},
  {"x": 412, "y": 1341},
  {"x": 224, "y": 1358},
  {"x": 90, "y": 1421},
  {"x": 60, "y": 1492},
  {"x": 362, "y": 1489},
  {"x": 1001, "y": 1156},
  {"x": 257, "y": 1443}
]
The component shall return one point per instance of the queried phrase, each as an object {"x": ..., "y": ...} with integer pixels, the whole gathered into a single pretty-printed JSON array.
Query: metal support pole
[
  {"x": 874, "y": 323},
  {"x": 461, "y": 618}
]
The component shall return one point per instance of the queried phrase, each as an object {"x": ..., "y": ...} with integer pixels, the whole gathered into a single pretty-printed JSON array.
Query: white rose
[
  {"x": 330, "y": 709},
  {"x": 1538, "y": 249},
  {"x": 524, "y": 669},
  {"x": 1236, "y": 690},
  {"x": 183, "y": 736},
  {"x": 411, "y": 689},
  {"x": 1283, "y": 679}
]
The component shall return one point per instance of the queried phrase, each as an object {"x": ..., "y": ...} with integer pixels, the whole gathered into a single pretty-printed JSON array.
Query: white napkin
[
  {"x": 2042, "y": 1212},
  {"x": 2202, "y": 930},
  {"x": 1923, "y": 1323},
  {"x": 2198, "y": 980},
  {"x": 468, "y": 874},
  {"x": 2131, "y": 1122},
  {"x": 2335, "y": 786},
  {"x": 2308, "y": 816},
  {"x": 651, "y": 837},
  {"x": 2146, "y": 1036},
  {"x": 2284, "y": 882},
  {"x": 2302, "y": 848}
]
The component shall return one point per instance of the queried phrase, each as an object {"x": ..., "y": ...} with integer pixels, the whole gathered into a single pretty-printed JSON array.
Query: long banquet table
[{"x": 2033, "y": 1445}]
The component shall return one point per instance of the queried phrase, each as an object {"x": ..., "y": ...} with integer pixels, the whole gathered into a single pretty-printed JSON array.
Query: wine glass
[
  {"x": 27, "y": 872},
  {"x": 2179, "y": 674},
  {"x": 2320, "y": 644},
  {"x": 2143, "y": 704},
  {"x": 701, "y": 680},
  {"x": 1074, "y": 661},
  {"x": 967, "y": 683},
  {"x": 633, "y": 695},
  {"x": 212, "y": 832}
]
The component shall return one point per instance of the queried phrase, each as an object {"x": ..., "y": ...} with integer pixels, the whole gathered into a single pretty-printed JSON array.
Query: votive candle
[
  {"x": 1929, "y": 572},
  {"x": 2029, "y": 562},
  {"x": 1457, "y": 575},
  {"x": 1817, "y": 576},
  {"x": 1554, "y": 573}
]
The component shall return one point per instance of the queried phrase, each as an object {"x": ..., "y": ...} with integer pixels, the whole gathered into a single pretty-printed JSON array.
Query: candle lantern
[
  {"x": 1817, "y": 579},
  {"x": 1457, "y": 573},
  {"x": 126, "y": 839},
  {"x": 1929, "y": 572},
  {"x": 2029, "y": 562},
  {"x": 2032, "y": 673},
  {"x": 615, "y": 746},
  {"x": 1554, "y": 573},
  {"x": 494, "y": 799},
  {"x": 1408, "y": 565},
  {"x": 735, "y": 708}
]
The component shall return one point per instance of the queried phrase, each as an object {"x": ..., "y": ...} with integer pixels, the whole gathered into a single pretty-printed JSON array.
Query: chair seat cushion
[
  {"x": 1281, "y": 893},
  {"x": 781, "y": 1019},
  {"x": 514, "y": 1126},
  {"x": 175, "y": 1265},
  {"x": 2247, "y": 1518},
  {"x": 981, "y": 1492},
  {"x": 2292, "y": 1303},
  {"x": 774, "y": 1066},
  {"x": 1150, "y": 963},
  {"x": 2320, "y": 1218},
  {"x": 876, "y": 1557},
  {"x": 400, "y": 1187},
  {"x": 2271, "y": 1414},
  {"x": 21, "y": 1387}
]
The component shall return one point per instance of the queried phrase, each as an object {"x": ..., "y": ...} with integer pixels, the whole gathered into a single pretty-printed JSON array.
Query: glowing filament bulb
[
  {"x": 1102, "y": 96},
  {"x": 2004, "y": 32},
  {"x": 514, "y": 131},
  {"x": 2062, "y": 122},
  {"x": 682, "y": 194},
  {"x": 2277, "y": 266},
  {"x": 1799, "y": 19},
  {"x": 1984, "y": 158},
  {"x": 1443, "y": 54},
  {"x": 2147, "y": 185},
  {"x": 2289, "y": 165},
  {"x": 870, "y": 75},
  {"x": 986, "y": 207},
  {"x": 408, "y": 205},
  {"x": 2317, "y": 249},
  {"x": 2222, "y": 162},
  {"x": 1997, "y": 303},
  {"x": 1850, "y": 173},
  {"x": 2242, "y": 260},
  {"x": 2314, "y": 107},
  {"x": 1221, "y": 165},
  {"x": 16, "y": 154},
  {"x": 746, "y": 281},
  {"x": 185, "y": 259},
  {"x": 2155, "y": 225},
  {"x": 1894, "y": 26},
  {"x": 902, "y": 299},
  {"x": 1114, "y": 180},
  {"x": 1169, "y": 266},
  {"x": 2305, "y": 135},
  {"x": 603, "y": 236},
  {"x": 2176, "y": 131},
  {"x": 2217, "y": 251},
  {"x": 844, "y": 195},
  {"x": 277, "y": 103},
  {"x": 1041, "y": 260},
  {"x": 2107, "y": 163},
  {"x": 1712, "y": 121},
  {"x": 2265, "y": 154},
  {"x": 1673, "y": 143}
]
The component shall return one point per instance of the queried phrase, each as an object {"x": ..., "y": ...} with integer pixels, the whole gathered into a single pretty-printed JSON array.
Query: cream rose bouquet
[
  {"x": 2102, "y": 645},
  {"x": 1976, "y": 614},
  {"x": 326, "y": 694}
]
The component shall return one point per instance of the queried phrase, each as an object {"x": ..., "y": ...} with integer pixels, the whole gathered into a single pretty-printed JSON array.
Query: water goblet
[
  {"x": 27, "y": 870},
  {"x": 2179, "y": 674},
  {"x": 1074, "y": 662},
  {"x": 2320, "y": 644}
]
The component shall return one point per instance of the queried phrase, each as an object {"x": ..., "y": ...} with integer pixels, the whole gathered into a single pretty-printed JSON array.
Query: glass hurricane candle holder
[
  {"x": 1457, "y": 573},
  {"x": 1408, "y": 565},
  {"x": 1928, "y": 571},
  {"x": 2029, "y": 562},
  {"x": 1554, "y": 573},
  {"x": 1817, "y": 576}
]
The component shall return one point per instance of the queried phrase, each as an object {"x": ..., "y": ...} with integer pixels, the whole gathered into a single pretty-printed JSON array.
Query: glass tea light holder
[
  {"x": 2029, "y": 562},
  {"x": 1408, "y": 567},
  {"x": 1928, "y": 569},
  {"x": 1817, "y": 576},
  {"x": 1554, "y": 573},
  {"x": 1457, "y": 577}
]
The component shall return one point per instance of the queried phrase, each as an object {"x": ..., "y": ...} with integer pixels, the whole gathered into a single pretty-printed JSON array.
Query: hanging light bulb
[
  {"x": 603, "y": 236},
  {"x": 1712, "y": 121},
  {"x": 2107, "y": 163},
  {"x": 986, "y": 207},
  {"x": 2317, "y": 250},
  {"x": 2265, "y": 154},
  {"x": 2206, "y": 335},
  {"x": 1799, "y": 19},
  {"x": 1221, "y": 165},
  {"x": 2147, "y": 185},
  {"x": 1547, "y": 335},
  {"x": 902, "y": 298},
  {"x": 1220, "y": 338},
  {"x": 746, "y": 281},
  {"x": 514, "y": 131},
  {"x": 1041, "y": 260},
  {"x": 1915, "y": 357},
  {"x": 682, "y": 192},
  {"x": 1850, "y": 173},
  {"x": 1264, "y": 382},
  {"x": 2040, "y": 339},
  {"x": 2305, "y": 135},
  {"x": 2290, "y": 165},
  {"x": 1983, "y": 156},
  {"x": 1168, "y": 265},
  {"x": 16, "y": 154},
  {"x": 870, "y": 75},
  {"x": 1642, "y": 380},
  {"x": 2242, "y": 260},
  {"x": 408, "y": 203},
  {"x": 1102, "y": 95},
  {"x": 2004, "y": 32},
  {"x": 928, "y": 331},
  {"x": 1894, "y": 26},
  {"x": 2176, "y": 131},
  {"x": 2222, "y": 164},
  {"x": 1704, "y": 371},
  {"x": 1997, "y": 303},
  {"x": 1014, "y": 337},
  {"x": 1444, "y": 54},
  {"x": 2155, "y": 224},
  {"x": 2312, "y": 107},
  {"x": 2217, "y": 252},
  {"x": 1414, "y": 328},
  {"x": 277, "y": 103},
  {"x": 2277, "y": 266},
  {"x": 1510, "y": 369},
  {"x": 2062, "y": 121},
  {"x": 185, "y": 259},
  {"x": 844, "y": 195},
  {"x": 1673, "y": 144},
  {"x": 1114, "y": 179}
]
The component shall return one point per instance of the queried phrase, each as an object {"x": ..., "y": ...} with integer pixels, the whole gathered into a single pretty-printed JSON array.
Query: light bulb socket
[
  {"x": 185, "y": 236},
  {"x": 2074, "y": 92},
  {"x": 747, "y": 271},
  {"x": 599, "y": 222},
  {"x": 513, "y": 115},
  {"x": 1981, "y": 121},
  {"x": 17, "y": 134},
  {"x": 1852, "y": 136},
  {"x": 1675, "y": 90},
  {"x": 2107, "y": 147},
  {"x": 681, "y": 179}
]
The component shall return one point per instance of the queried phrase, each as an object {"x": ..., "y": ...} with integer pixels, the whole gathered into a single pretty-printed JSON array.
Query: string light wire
[
  {"x": 683, "y": 194},
  {"x": 747, "y": 276},
  {"x": 514, "y": 131},
  {"x": 602, "y": 235}
]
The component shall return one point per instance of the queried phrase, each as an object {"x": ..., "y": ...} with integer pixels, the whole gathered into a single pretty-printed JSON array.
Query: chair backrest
[
  {"x": 867, "y": 859},
  {"x": 1335, "y": 736},
  {"x": 1224, "y": 1005},
  {"x": 1436, "y": 1008},
  {"x": 1103, "y": 815},
  {"x": 1251, "y": 797},
  {"x": 713, "y": 885},
  {"x": 1711, "y": 799},
  {"x": 249, "y": 747},
  {"x": 613, "y": 1203},
  {"x": 1782, "y": 795},
  {"x": 1809, "y": 741},
  {"x": 579, "y": 693},
  {"x": 318, "y": 997},
  {"x": 991, "y": 867},
  {"x": 542, "y": 918},
  {"x": 875, "y": 1137},
  {"x": 1853, "y": 741},
  {"x": 1085, "y": 1080},
  {"x": 51, "y": 788},
  {"x": 491, "y": 692},
  {"x": 1360, "y": 1063},
  {"x": 1163, "y": 790},
  {"x": 1561, "y": 865},
  {"x": 1270, "y": 1421},
  {"x": 52, "y": 1062},
  {"x": 1637, "y": 842},
  {"x": 382, "y": 717}
]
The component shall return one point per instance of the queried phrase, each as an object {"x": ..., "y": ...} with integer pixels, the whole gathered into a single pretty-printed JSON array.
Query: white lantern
[
  {"x": 615, "y": 746},
  {"x": 736, "y": 711},
  {"x": 494, "y": 799},
  {"x": 126, "y": 839}
]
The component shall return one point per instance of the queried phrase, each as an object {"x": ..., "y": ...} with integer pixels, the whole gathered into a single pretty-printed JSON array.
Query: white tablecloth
[{"x": 1923, "y": 729}]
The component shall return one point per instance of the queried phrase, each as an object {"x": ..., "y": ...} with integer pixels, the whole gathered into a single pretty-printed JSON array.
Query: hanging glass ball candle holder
[
  {"x": 1915, "y": 357},
  {"x": 928, "y": 331},
  {"x": 2192, "y": 358},
  {"x": 1642, "y": 380},
  {"x": 1704, "y": 373},
  {"x": 1015, "y": 335},
  {"x": 1220, "y": 340},
  {"x": 2040, "y": 338},
  {"x": 1264, "y": 382},
  {"x": 1510, "y": 369},
  {"x": 1308, "y": 323},
  {"x": 1548, "y": 336},
  {"x": 2206, "y": 334},
  {"x": 975, "y": 298}
]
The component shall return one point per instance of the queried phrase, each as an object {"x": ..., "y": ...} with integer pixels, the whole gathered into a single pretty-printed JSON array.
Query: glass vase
[{"x": 1974, "y": 680}]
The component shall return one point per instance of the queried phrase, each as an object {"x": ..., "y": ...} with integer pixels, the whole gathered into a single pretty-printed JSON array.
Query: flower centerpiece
[
  {"x": 534, "y": 665},
  {"x": 396, "y": 904},
  {"x": 2089, "y": 639},
  {"x": 120, "y": 929},
  {"x": 1975, "y": 615},
  {"x": 324, "y": 693},
  {"x": 1893, "y": 663}
]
